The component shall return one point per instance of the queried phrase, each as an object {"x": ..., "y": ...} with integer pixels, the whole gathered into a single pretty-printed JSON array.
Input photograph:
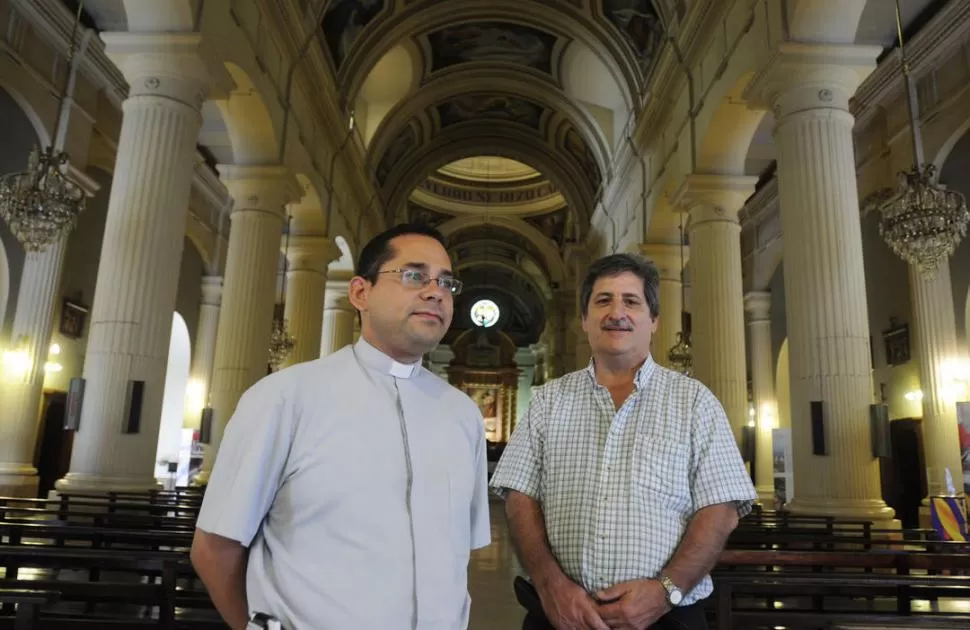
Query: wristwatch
[{"x": 674, "y": 596}]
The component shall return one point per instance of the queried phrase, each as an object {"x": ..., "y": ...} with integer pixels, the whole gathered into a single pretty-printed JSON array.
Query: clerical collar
[{"x": 374, "y": 358}]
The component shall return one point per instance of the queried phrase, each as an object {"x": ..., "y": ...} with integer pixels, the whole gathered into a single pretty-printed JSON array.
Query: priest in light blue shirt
[{"x": 349, "y": 491}]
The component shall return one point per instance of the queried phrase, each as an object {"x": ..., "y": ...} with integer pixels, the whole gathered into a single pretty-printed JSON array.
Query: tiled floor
[{"x": 490, "y": 576}]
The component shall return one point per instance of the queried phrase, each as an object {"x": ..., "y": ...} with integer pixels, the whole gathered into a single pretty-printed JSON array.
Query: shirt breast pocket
[{"x": 660, "y": 472}]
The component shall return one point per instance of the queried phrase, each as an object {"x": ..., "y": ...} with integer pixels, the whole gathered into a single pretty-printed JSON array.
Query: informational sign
[{"x": 781, "y": 451}]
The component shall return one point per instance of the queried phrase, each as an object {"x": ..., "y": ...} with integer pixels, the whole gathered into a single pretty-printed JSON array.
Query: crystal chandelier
[
  {"x": 281, "y": 344},
  {"x": 922, "y": 222},
  {"x": 681, "y": 356},
  {"x": 41, "y": 204}
]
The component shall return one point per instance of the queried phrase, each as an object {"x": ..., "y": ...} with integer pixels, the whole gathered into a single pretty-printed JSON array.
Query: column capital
[
  {"x": 260, "y": 188},
  {"x": 311, "y": 253},
  {"x": 758, "y": 305},
  {"x": 335, "y": 295},
  {"x": 713, "y": 197},
  {"x": 802, "y": 76},
  {"x": 212, "y": 290},
  {"x": 667, "y": 258},
  {"x": 173, "y": 65}
]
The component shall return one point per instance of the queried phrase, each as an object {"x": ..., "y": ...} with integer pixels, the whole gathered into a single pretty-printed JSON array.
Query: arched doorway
[{"x": 173, "y": 399}]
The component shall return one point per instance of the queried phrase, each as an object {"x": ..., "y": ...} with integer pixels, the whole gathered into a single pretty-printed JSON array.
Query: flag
[{"x": 948, "y": 517}]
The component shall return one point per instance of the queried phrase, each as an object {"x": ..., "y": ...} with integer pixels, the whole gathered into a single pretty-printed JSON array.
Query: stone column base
[
  {"x": 85, "y": 482},
  {"x": 20, "y": 483},
  {"x": 766, "y": 496},
  {"x": 882, "y": 516}
]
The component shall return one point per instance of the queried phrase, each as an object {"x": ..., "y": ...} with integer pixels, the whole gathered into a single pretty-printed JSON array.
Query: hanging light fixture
[
  {"x": 281, "y": 342},
  {"x": 681, "y": 356},
  {"x": 41, "y": 204},
  {"x": 922, "y": 222}
]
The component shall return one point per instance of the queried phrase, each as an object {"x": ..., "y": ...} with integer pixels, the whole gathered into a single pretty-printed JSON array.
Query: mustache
[{"x": 616, "y": 324}]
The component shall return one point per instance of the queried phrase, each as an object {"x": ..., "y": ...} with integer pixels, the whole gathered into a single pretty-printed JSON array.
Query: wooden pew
[
  {"x": 28, "y": 603},
  {"x": 164, "y": 570},
  {"x": 133, "y": 538},
  {"x": 768, "y": 576}
]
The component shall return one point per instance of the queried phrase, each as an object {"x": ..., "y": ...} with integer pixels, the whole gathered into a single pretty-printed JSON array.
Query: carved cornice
[{"x": 948, "y": 29}]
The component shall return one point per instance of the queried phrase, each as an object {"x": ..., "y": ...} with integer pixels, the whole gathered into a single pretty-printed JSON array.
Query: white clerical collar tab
[{"x": 401, "y": 370}]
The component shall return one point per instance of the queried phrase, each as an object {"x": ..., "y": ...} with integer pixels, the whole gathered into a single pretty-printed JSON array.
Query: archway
[{"x": 173, "y": 398}]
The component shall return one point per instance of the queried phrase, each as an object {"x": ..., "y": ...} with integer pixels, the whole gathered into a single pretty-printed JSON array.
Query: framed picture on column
[{"x": 74, "y": 314}]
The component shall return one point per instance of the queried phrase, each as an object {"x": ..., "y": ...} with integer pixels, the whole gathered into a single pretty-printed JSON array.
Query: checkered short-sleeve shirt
[{"x": 618, "y": 487}]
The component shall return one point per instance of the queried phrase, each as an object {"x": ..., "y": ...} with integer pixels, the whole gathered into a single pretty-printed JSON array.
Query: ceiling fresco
[
  {"x": 478, "y": 107},
  {"x": 491, "y": 42},
  {"x": 640, "y": 25},
  {"x": 344, "y": 22}
]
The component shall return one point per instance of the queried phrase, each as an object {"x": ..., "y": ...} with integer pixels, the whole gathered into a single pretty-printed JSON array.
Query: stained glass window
[{"x": 485, "y": 313}]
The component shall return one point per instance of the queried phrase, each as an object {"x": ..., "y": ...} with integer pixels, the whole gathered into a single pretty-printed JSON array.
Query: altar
[{"x": 484, "y": 368}]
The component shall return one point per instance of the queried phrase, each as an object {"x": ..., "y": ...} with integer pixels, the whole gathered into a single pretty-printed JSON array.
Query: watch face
[{"x": 675, "y": 597}]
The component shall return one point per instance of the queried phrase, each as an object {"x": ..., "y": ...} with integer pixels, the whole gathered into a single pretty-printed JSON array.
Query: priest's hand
[
  {"x": 634, "y": 605},
  {"x": 569, "y": 607}
]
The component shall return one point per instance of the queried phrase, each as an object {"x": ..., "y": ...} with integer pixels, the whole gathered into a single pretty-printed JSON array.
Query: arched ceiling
[{"x": 496, "y": 121}]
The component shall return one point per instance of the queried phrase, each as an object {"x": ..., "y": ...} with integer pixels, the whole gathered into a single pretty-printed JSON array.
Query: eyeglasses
[{"x": 414, "y": 279}]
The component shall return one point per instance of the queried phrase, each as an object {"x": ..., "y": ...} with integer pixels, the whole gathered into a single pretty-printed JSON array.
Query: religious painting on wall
[
  {"x": 343, "y": 23},
  {"x": 487, "y": 398},
  {"x": 73, "y": 316},
  {"x": 489, "y": 107},
  {"x": 492, "y": 42},
  {"x": 640, "y": 25},
  {"x": 896, "y": 340}
]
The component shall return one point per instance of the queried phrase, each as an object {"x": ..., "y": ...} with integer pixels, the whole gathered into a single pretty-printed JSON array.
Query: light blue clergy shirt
[{"x": 313, "y": 476}]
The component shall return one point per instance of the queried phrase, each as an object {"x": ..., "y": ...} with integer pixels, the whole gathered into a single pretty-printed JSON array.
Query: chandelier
[
  {"x": 281, "y": 344},
  {"x": 41, "y": 204},
  {"x": 680, "y": 356},
  {"x": 922, "y": 222}
]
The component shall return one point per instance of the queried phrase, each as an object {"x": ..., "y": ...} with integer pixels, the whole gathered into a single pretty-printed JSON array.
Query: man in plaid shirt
[{"x": 623, "y": 480}]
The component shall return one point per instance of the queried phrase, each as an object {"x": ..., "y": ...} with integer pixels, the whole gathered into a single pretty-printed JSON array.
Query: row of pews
[
  {"x": 118, "y": 561},
  {"x": 121, "y": 561},
  {"x": 805, "y": 572}
]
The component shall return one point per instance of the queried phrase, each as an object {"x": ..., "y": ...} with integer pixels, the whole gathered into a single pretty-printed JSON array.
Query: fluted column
[
  {"x": 339, "y": 315},
  {"x": 667, "y": 259},
  {"x": 758, "y": 306},
  {"x": 246, "y": 319},
  {"x": 564, "y": 303},
  {"x": 203, "y": 358},
  {"x": 21, "y": 385},
  {"x": 306, "y": 281},
  {"x": 582, "y": 351},
  {"x": 134, "y": 299},
  {"x": 809, "y": 87},
  {"x": 938, "y": 355},
  {"x": 717, "y": 295}
]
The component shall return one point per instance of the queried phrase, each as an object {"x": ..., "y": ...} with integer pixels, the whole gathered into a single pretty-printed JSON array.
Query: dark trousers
[{"x": 691, "y": 617}]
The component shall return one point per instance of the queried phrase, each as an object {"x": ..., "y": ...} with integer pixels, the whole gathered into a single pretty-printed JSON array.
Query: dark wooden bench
[
  {"x": 27, "y": 604},
  {"x": 154, "y": 585},
  {"x": 749, "y": 582}
]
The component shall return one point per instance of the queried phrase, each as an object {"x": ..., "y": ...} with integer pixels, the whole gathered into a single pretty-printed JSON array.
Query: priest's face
[{"x": 406, "y": 312}]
